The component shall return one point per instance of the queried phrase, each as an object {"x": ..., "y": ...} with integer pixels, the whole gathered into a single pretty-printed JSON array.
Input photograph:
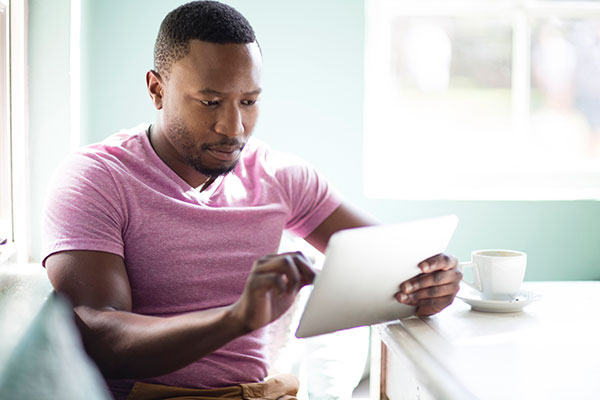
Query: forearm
[
  {"x": 128, "y": 345},
  {"x": 344, "y": 217}
]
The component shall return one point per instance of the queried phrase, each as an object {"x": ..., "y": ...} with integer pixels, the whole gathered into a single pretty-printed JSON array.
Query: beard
[{"x": 193, "y": 152}]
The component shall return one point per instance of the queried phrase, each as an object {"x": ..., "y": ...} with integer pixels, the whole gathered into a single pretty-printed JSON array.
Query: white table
[{"x": 550, "y": 350}]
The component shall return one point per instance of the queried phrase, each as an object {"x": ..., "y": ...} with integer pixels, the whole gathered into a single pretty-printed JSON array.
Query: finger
[
  {"x": 268, "y": 281},
  {"x": 276, "y": 255},
  {"x": 307, "y": 273},
  {"x": 428, "y": 307},
  {"x": 284, "y": 264},
  {"x": 436, "y": 278},
  {"x": 438, "y": 262},
  {"x": 433, "y": 292}
]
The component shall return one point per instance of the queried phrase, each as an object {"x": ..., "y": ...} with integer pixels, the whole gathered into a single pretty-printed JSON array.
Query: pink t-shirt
[{"x": 184, "y": 250}]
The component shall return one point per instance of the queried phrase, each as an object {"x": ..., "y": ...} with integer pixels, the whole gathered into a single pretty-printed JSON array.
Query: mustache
[{"x": 233, "y": 143}]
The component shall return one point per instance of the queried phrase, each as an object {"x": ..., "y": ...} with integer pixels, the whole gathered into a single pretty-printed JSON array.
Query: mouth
[{"x": 225, "y": 153}]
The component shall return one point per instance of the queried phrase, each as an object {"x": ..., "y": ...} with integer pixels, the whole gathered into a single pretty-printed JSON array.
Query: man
[{"x": 164, "y": 236}]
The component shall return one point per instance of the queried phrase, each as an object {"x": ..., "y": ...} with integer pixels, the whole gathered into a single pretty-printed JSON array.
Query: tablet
[{"x": 363, "y": 270}]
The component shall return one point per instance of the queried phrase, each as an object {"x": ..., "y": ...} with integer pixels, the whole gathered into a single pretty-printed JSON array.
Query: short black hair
[{"x": 209, "y": 21}]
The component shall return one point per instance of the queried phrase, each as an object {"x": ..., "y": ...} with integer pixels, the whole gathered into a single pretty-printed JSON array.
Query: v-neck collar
[{"x": 186, "y": 187}]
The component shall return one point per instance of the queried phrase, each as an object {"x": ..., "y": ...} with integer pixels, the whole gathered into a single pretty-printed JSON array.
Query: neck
[
  {"x": 209, "y": 180},
  {"x": 167, "y": 153}
]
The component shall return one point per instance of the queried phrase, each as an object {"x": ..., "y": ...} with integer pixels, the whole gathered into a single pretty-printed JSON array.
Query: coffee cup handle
[{"x": 476, "y": 283}]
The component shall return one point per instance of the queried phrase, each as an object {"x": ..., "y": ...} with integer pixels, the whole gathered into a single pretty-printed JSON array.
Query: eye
[
  {"x": 249, "y": 102},
  {"x": 209, "y": 103}
]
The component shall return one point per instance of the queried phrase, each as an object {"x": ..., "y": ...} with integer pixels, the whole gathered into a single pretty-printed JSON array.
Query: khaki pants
[{"x": 280, "y": 387}]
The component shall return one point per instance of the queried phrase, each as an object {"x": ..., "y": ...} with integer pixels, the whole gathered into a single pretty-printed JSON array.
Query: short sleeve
[
  {"x": 310, "y": 197},
  {"x": 83, "y": 209}
]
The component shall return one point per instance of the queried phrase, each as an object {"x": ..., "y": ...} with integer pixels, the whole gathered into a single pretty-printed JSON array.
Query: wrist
[{"x": 235, "y": 322}]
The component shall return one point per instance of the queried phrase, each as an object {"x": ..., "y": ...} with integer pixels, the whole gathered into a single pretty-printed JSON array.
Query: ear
[{"x": 155, "y": 88}]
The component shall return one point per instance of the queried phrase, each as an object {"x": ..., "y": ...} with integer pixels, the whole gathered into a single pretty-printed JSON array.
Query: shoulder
[
  {"x": 258, "y": 154},
  {"x": 114, "y": 150},
  {"x": 119, "y": 146},
  {"x": 290, "y": 173},
  {"x": 96, "y": 165}
]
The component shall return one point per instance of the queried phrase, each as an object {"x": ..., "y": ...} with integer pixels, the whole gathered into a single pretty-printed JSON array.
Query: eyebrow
[{"x": 217, "y": 93}]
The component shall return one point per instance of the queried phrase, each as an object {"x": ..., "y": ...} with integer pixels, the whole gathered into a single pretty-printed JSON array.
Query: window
[
  {"x": 6, "y": 235},
  {"x": 13, "y": 204},
  {"x": 482, "y": 100}
]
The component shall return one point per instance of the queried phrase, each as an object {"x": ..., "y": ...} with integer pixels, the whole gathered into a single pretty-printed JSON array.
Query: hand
[
  {"x": 435, "y": 288},
  {"x": 271, "y": 288}
]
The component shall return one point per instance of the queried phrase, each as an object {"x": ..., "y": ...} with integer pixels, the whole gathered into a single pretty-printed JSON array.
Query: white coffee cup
[{"x": 497, "y": 274}]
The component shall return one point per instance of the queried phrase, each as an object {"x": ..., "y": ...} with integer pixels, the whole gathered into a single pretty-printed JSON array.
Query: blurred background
[{"x": 487, "y": 109}]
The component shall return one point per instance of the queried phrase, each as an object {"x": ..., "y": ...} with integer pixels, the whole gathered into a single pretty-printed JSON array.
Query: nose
[{"x": 229, "y": 122}]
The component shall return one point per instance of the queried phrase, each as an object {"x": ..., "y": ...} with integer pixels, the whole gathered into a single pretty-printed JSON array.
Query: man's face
[{"x": 209, "y": 106}]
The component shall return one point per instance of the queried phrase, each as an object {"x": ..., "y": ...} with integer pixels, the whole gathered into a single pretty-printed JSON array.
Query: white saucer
[{"x": 522, "y": 299}]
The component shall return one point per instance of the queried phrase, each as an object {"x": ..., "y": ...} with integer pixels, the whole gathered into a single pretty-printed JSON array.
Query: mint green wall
[
  {"x": 312, "y": 106},
  {"x": 49, "y": 117}
]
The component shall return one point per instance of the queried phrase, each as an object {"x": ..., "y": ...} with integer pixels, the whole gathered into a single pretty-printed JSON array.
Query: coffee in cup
[{"x": 497, "y": 274}]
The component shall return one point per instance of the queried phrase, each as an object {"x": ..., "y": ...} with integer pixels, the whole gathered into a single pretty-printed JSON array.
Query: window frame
[{"x": 17, "y": 248}]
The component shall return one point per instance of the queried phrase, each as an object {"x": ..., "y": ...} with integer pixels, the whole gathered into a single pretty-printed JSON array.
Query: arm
[
  {"x": 125, "y": 344},
  {"x": 343, "y": 217},
  {"x": 430, "y": 292}
]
